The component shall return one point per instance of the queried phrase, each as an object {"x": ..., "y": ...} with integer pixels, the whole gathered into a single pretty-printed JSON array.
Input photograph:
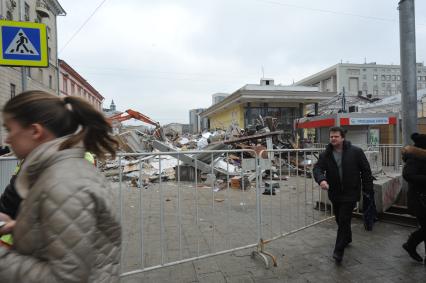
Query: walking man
[{"x": 341, "y": 170}]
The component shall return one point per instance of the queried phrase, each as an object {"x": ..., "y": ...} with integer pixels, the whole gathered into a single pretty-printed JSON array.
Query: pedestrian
[
  {"x": 342, "y": 169},
  {"x": 414, "y": 172},
  {"x": 66, "y": 229}
]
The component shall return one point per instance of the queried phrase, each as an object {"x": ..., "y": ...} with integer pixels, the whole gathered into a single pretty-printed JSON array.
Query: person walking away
[
  {"x": 342, "y": 169},
  {"x": 414, "y": 172},
  {"x": 67, "y": 227}
]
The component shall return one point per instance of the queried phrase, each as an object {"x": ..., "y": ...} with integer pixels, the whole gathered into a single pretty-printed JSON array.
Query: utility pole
[
  {"x": 23, "y": 69},
  {"x": 407, "y": 38}
]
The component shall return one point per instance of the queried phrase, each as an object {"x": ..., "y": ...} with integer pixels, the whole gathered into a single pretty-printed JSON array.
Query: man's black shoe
[
  {"x": 338, "y": 256},
  {"x": 412, "y": 252}
]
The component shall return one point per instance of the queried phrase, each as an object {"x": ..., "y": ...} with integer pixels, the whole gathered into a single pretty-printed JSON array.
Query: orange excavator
[{"x": 129, "y": 114}]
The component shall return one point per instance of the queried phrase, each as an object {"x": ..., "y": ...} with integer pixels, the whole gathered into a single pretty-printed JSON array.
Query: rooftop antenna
[
  {"x": 365, "y": 60},
  {"x": 263, "y": 73}
]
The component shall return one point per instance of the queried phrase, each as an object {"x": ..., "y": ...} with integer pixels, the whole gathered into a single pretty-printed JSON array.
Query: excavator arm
[{"x": 129, "y": 114}]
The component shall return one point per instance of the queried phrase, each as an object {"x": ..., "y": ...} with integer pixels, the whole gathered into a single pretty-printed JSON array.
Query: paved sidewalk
[{"x": 305, "y": 256}]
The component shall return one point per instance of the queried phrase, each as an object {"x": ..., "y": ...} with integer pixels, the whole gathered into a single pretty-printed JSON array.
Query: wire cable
[
  {"x": 82, "y": 26},
  {"x": 333, "y": 12}
]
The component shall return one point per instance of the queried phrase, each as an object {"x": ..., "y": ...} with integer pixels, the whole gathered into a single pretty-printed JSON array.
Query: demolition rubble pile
[{"x": 143, "y": 164}]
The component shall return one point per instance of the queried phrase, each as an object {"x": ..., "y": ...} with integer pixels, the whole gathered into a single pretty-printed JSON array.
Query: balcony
[{"x": 42, "y": 9}]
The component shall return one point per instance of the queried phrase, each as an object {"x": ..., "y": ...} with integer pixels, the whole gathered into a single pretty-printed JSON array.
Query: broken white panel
[
  {"x": 249, "y": 164},
  {"x": 222, "y": 164},
  {"x": 206, "y": 135},
  {"x": 167, "y": 162},
  {"x": 184, "y": 141},
  {"x": 202, "y": 143}
]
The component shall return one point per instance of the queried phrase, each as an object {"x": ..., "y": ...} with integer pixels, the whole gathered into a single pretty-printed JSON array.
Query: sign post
[{"x": 23, "y": 44}]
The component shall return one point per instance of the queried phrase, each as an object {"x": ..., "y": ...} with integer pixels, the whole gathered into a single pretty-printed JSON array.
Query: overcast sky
[{"x": 164, "y": 57}]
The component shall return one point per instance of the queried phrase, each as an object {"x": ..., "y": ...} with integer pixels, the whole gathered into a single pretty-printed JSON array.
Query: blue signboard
[{"x": 23, "y": 44}]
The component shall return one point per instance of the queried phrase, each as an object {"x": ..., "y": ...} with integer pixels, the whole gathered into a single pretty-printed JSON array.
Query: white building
[
  {"x": 369, "y": 80},
  {"x": 218, "y": 97},
  {"x": 12, "y": 79}
]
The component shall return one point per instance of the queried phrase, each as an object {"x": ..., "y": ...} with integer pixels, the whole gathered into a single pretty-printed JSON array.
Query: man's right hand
[{"x": 324, "y": 185}]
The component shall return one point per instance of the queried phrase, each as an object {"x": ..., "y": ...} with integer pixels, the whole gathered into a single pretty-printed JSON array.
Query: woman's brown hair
[{"x": 64, "y": 116}]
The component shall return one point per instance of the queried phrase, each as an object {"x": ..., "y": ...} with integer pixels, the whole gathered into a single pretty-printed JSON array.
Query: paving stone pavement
[{"x": 305, "y": 256}]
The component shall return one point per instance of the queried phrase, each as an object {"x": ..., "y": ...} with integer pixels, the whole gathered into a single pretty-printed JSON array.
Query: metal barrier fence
[
  {"x": 204, "y": 203},
  {"x": 390, "y": 154},
  {"x": 183, "y": 220},
  {"x": 299, "y": 204},
  {"x": 7, "y": 168}
]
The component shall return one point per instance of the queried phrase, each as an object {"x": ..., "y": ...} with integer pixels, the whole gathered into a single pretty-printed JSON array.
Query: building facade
[
  {"x": 243, "y": 107},
  {"x": 369, "y": 80},
  {"x": 177, "y": 128},
  {"x": 13, "y": 80},
  {"x": 196, "y": 123},
  {"x": 218, "y": 97},
  {"x": 72, "y": 83}
]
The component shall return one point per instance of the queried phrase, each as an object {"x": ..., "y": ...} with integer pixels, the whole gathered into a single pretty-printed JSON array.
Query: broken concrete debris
[{"x": 169, "y": 158}]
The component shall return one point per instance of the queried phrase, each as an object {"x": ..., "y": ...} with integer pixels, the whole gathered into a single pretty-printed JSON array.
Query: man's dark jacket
[
  {"x": 355, "y": 169},
  {"x": 414, "y": 173}
]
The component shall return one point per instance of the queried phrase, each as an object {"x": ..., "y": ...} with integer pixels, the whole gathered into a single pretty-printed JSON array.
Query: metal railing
[
  {"x": 390, "y": 154},
  {"x": 297, "y": 202},
  {"x": 177, "y": 207},
  {"x": 7, "y": 169},
  {"x": 179, "y": 221}
]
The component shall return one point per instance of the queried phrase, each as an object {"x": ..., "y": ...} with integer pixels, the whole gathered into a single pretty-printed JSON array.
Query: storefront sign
[{"x": 369, "y": 121}]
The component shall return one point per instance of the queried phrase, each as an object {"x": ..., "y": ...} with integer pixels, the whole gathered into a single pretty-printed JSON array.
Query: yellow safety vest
[{"x": 89, "y": 157}]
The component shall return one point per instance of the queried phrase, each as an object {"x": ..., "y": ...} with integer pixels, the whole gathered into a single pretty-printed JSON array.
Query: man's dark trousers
[{"x": 343, "y": 213}]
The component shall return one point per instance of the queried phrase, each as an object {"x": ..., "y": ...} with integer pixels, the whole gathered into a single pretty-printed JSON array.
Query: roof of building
[
  {"x": 391, "y": 100},
  {"x": 67, "y": 69},
  {"x": 55, "y": 7},
  {"x": 328, "y": 72},
  {"x": 269, "y": 94}
]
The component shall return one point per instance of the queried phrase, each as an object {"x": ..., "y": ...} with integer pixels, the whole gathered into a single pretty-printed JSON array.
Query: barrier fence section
[
  {"x": 180, "y": 206},
  {"x": 291, "y": 200},
  {"x": 389, "y": 154},
  {"x": 7, "y": 168},
  {"x": 192, "y": 211},
  {"x": 242, "y": 201}
]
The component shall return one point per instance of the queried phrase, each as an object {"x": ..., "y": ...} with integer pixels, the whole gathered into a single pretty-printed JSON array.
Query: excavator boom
[{"x": 129, "y": 114}]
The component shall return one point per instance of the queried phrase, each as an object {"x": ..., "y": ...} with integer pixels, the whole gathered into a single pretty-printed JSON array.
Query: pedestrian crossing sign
[{"x": 23, "y": 44}]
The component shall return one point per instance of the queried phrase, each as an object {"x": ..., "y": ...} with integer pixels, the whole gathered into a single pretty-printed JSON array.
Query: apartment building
[
  {"x": 369, "y": 79},
  {"x": 13, "y": 79},
  {"x": 72, "y": 83}
]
